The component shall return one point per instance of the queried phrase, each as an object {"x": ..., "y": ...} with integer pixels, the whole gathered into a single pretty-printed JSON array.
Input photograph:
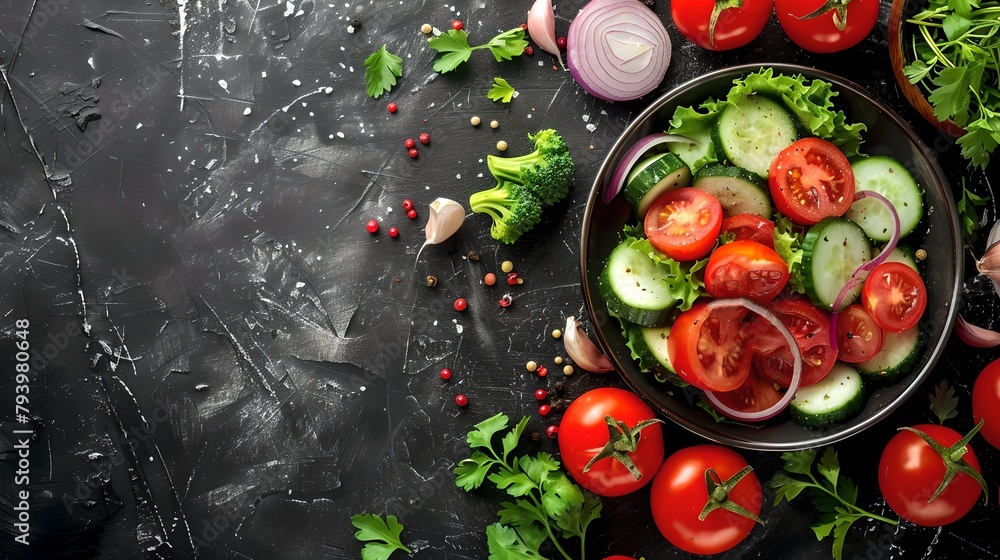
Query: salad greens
[
  {"x": 968, "y": 214},
  {"x": 687, "y": 285},
  {"x": 381, "y": 70},
  {"x": 788, "y": 244},
  {"x": 501, "y": 90},
  {"x": 835, "y": 496},
  {"x": 810, "y": 101},
  {"x": 956, "y": 58},
  {"x": 547, "y": 505},
  {"x": 454, "y": 47}
]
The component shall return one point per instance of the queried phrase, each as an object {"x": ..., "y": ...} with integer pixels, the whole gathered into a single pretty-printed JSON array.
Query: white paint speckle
[
  {"x": 296, "y": 83},
  {"x": 90, "y": 61},
  {"x": 340, "y": 135},
  {"x": 263, "y": 74},
  {"x": 138, "y": 126},
  {"x": 289, "y": 9},
  {"x": 328, "y": 90},
  {"x": 586, "y": 118},
  {"x": 591, "y": 127},
  {"x": 224, "y": 85},
  {"x": 458, "y": 176},
  {"x": 246, "y": 111}
]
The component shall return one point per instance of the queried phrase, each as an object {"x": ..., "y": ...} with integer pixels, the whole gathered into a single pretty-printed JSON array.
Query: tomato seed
[{"x": 372, "y": 226}]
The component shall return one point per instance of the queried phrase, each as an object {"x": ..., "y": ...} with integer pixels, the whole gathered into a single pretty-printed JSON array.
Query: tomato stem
[
  {"x": 839, "y": 9},
  {"x": 718, "y": 494},
  {"x": 622, "y": 441},
  {"x": 954, "y": 462},
  {"x": 717, "y": 9}
]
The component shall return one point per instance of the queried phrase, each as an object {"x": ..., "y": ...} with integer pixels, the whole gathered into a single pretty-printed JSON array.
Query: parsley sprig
[
  {"x": 956, "y": 58},
  {"x": 835, "y": 496},
  {"x": 454, "y": 49},
  {"x": 967, "y": 211},
  {"x": 381, "y": 70},
  {"x": 381, "y": 538},
  {"x": 944, "y": 403},
  {"x": 501, "y": 90},
  {"x": 548, "y": 506}
]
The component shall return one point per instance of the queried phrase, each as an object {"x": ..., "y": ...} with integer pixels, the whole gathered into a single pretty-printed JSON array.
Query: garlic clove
[
  {"x": 974, "y": 336},
  {"x": 582, "y": 350},
  {"x": 445, "y": 219},
  {"x": 542, "y": 28}
]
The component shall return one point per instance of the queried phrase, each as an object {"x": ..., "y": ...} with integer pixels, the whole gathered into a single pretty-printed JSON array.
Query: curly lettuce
[
  {"x": 809, "y": 101},
  {"x": 788, "y": 245}
]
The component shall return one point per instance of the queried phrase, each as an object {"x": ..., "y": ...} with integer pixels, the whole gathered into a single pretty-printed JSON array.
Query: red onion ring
[
  {"x": 617, "y": 50},
  {"x": 865, "y": 268},
  {"x": 793, "y": 386},
  {"x": 633, "y": 155}
]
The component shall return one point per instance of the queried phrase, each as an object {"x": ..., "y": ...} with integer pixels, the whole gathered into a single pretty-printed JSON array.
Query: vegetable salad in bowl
[{"x": 770, "y": 257}]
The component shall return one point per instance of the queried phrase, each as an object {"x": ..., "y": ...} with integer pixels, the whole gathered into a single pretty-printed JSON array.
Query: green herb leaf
[
  {"x": 980, "y": 139},
  {"x": 505, "y": 544},
  {"x": 455, "y": 49},
  {"x": 917, "y": 70},
  {"x": 381, "y": 537},
  {"x": 835, "y": 497},
  {"x": 514, "y": 483},
  {"x": 501, "y": 91},
  {"x": 511, "y": 438},
  {"x": 381, "y": 70},
  {"x": 482, "y": 436},
  {"x": 508, "y": 44},
  {"x": 967, "y": 211},
  {"x": 788, "y": 244},
  {"x": 944, "y": 403},
  {"x": 520, "y": 513},
  {"x": 470, "y": 473}
]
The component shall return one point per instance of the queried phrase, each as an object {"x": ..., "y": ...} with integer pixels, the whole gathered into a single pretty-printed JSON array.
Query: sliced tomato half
[
  {"x": 750, "y": 227},
  {"x": 684, "y": 223},
  {"x": 895, "y": 296},
  {"x": 859, "y": 337},
  {"x": 754, "y": 395},
  {"x": 745, "y": 269},
  {"x": 810, "y": 180},
  {"x": 709, "y": 347},
  {"x": 810, "y": 326}
]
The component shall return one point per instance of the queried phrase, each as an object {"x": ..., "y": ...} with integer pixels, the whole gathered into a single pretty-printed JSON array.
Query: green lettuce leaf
[{"x": 686, "y": 283}]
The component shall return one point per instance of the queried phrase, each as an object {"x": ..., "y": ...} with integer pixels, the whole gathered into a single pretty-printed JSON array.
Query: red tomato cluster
[{"x": 822, "y": 26}]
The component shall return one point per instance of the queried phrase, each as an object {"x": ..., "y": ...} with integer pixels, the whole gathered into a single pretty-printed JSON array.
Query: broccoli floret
[
  {"x": 513, "y": 208},
  {"x": 547, "y": 172}
]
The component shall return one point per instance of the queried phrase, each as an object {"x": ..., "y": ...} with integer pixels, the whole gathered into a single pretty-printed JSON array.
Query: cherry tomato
[
  {"x": 684, "y": 223},
  {"x": 910, "y": 471},
  {"x": 750, "y": 227},
  {"x": 826, "y": 26},
  {"x": 584, "y": 433},
  {"x": 810, "y": 180},
  {"x": 986, "y": 402},
  {"x": 745, "y": 269},
  {"x": 894, "y": 296},
  {"x": 734, "y": 26},
  {"x": 811, "y": 328},
  {"x": 709, "y": 347},
  {"x": 681, "y": 491},
  {"x": 859, "y": 337}
]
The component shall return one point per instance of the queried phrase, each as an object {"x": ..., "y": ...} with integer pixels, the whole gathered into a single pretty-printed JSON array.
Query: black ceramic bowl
[{"x": 941, "y": 238}]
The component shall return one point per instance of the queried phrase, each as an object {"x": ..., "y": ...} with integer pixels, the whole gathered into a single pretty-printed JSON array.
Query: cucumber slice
[
  {"x": 831, "y": 251},
  {"x": 738, "y": 190},
  {"x": 904, "y": 255},
  {"x": 835, "y": 398},
  {"x": 752, "y": 131},
  {"x": 899, "y": 353},
  {"x": 652, "y": 177},
  {"x": 650, "y": 345},
  {"x": 635, "y": 287},
  {"x": 889, "y": 178},
  {"x": 696, "y": 154}
]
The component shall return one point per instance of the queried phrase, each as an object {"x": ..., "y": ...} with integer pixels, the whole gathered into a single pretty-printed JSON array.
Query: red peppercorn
[
  {"x": 542, "y": 371},
  {"x": 424, "y": 138},
  {"x": 372, "y": 226},
  {"x": 506, "y": 300},
  {"x": 407, "y": 204},
  {"x": 413, "y": 153},
  {"x": 393, "y": 232},
  {"x": 552, "y": 431},
  {"x": 461, "y": 304},
  {"x": 513, "y": 279},
  {"x": 544, "y": 409},
  {"x": 411, "y": 213},
  {"x": 461, "y": 400},
  {"x": 445, "y": 374},
  {"x": 529, "y": 51},
  {"x": 392, "y": 107},
  {"x": 541, "y": 394},
  {"x": 409, "y": 143},
  {"x": 457, "y": 25},
  {"x": 524, "y": 26},
  {"x": 561, "y": 43}
]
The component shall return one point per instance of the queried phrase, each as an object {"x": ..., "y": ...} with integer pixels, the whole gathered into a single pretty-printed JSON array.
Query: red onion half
[
  {"x": 796, "y": 364},
  {"x": 859, "y": 275},
  {"x": 617, "y": 50},
  {"x": 633, "y": 155}
]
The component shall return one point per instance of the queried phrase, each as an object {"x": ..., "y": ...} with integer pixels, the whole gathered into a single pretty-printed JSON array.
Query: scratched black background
[{"x": 229, "y": 366}]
